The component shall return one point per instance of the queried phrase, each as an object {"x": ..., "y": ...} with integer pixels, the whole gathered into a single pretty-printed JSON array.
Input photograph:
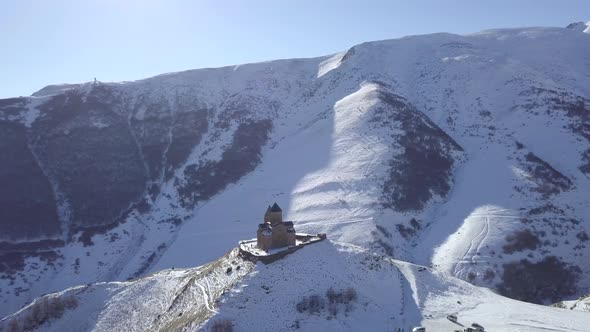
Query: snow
[
  {"x": 581, "y": 304},
  {"x": 318, "y": 193},
  {"x": 439, "y": 294},
  {"x": 330, "y": 64},
  {"x": 33, "y": 113},
  {"x": 476, "y": 217},
  {"x": 324, "y": 165},
  {"x": 162, "y": 301},
  {"x": 272, "y": 291},
  {"x": 324, "y": 162},
  {"x": 51, "y": 90},
  {"x": 391, "y": 294},
  {"x": 457, "y": 58},
  {"x": 580, "y": 27}
]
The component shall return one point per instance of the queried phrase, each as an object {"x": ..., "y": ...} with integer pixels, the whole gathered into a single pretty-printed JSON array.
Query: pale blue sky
[{"x": 70, "y": 41}]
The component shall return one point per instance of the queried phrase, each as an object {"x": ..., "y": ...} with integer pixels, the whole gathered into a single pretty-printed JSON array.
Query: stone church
[{"x": 274, "y": 232}]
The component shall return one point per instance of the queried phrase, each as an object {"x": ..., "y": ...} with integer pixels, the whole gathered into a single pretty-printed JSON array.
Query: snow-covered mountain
[
  {"x": 469, "y": 154},
  {"x": 580, "y": 26}
]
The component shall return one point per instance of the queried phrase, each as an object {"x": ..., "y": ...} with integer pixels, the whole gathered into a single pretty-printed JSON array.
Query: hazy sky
[{"x": 69, "y": 41}]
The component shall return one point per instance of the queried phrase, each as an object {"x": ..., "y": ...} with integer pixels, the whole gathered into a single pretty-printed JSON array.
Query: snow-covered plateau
[{"x": 451, "y": 174}]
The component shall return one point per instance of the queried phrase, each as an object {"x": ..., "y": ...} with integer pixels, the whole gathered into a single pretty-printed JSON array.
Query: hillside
[
  {"x": 468, "y": 154},
  {"x": 323, "y": 287}
]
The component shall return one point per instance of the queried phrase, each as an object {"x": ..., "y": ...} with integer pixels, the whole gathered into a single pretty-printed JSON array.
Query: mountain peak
[{"x": 580, "y": 26}]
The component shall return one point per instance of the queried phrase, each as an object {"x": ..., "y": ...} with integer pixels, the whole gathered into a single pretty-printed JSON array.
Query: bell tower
[
  {"x": 275, "y": 215},
  {"x": 267, "y": 215}
]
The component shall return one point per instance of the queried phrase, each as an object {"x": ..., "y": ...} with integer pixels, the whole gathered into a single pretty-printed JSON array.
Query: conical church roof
[{"x": 275, "y": 208}]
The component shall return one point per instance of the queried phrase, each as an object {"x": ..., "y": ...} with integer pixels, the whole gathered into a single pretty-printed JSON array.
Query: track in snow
[{"x": 476, "y": 243}]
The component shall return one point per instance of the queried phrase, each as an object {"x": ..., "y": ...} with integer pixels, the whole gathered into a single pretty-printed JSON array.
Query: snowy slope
[
  {"x": 388, "y": 294},
  {"x": 438, "y": 295},
  {"x": 470, "y": 154},
  {"x": 496, "y": 192},
  {"x": 391, "y": 295},
  {"x": 167, "y": 300},
  {"x": 580, "y": 26},
  {"x": 581, "y": 304}
]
